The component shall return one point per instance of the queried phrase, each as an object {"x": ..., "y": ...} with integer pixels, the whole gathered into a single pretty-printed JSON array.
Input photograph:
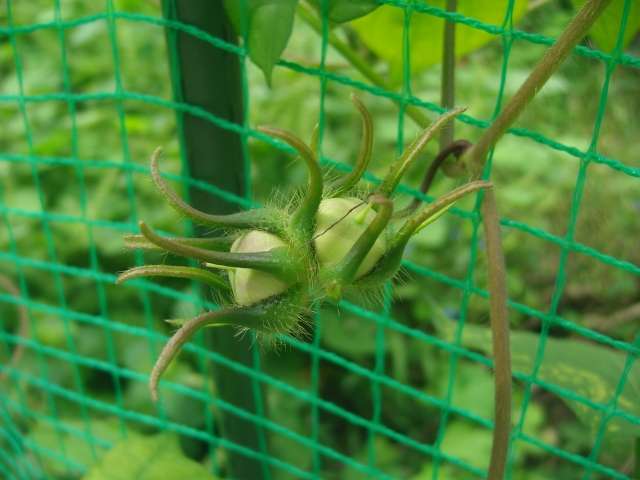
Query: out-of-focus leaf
[
  {"x": 76, "y": 449},
  {"x": 341, "y": 11},
  {"x": 382, "y": 32},
  {"x": 590, "y": 371},
  {"x": 147, "y": 458},
  {"x": 606, "y": 30},
  {"x": 270, "y": 23}
]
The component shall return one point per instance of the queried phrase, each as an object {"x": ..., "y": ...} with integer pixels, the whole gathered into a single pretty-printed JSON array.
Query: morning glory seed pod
[{"x": 278, "y": 263}]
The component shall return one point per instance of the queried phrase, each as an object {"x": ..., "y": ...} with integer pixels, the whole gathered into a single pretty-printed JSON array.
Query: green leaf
[
  {"x": 426, "y": 32},
  {"x": 606, "y": 30},
  {"x": 341, "y": 11},
  {"x": 270, "y": 24},
  {"x": 589, "y": 370},
  {"x": 147, "y": 458},
  {"x": 67, "y": 445}
]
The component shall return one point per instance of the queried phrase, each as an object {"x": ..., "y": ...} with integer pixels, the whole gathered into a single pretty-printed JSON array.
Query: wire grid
[{"x": 37, "y": 393}]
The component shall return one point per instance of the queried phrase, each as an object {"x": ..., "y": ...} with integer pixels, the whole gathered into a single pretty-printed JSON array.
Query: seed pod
[
  {"x": 339, "y": 224},
  {"x": 251, "y": 286}
]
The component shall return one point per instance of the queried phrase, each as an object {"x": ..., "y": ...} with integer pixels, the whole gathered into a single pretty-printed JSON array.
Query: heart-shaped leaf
[
  {"x": 382, "y": 31},
  {"x": 341, "y": 11},
  {"x": 270, "y": 24}
]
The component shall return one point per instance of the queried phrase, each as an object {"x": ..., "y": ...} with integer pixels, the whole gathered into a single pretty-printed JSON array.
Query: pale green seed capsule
[
  {"x": 252, "y": 286},
  {"x": 334, "y": 240}
]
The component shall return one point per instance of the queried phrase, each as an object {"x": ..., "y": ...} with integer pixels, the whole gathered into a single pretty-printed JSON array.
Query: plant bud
[
  {"x": 252, "y": 286},
  {"x": 335, "y": 235}
]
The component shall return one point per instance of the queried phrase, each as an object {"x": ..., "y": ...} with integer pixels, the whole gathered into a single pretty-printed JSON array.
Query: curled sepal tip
[
  {"x": 276, "y": 262},
  {"x": 344, "y": 184},
  {"x": 302, "y": 220},
  {"x": 263, "y": 218},
  {"x": 398, "y": 169},
  {"x": 198, "y": 274},
  {"x": 274, "y": 315}
]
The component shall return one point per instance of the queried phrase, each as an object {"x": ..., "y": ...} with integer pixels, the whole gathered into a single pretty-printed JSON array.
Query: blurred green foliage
[{"x": 82, "y": 161}]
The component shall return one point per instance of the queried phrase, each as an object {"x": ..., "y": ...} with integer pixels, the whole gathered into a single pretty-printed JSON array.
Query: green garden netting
[{"x": 402, "y": 390}]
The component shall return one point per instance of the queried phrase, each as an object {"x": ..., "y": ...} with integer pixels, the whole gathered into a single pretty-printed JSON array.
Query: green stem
[
  {"x": 475, "y": 160},
  {"x": 306, "y": 14},
  {"x": 447, "y": 98}
]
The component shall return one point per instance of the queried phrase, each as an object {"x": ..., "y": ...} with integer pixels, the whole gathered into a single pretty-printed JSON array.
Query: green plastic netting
[{"x": 393, "y": 391}]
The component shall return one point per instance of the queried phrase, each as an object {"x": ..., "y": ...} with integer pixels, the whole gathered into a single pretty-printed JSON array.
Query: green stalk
[
  {"x": 447, "y": 95},
  {"x": 475, "y": 160},
  {"x": 306, "y": 14},
  {"x": 212, "y": 79}
]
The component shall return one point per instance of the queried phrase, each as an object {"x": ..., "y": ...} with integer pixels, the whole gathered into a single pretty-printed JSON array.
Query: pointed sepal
[
  {"x": 344, "y": 184},
  {"x": 277, "y": 262},
  {"x": 398, "y": 169},
  {"x": 276, "y": 315},
  {"x": 301, "y": 224},
  {"x": 218, "y": 244},
  {"x": 262, "y": 219},
  {"x": 389, "y": 264},
  {"x": 198, "y": 274}
]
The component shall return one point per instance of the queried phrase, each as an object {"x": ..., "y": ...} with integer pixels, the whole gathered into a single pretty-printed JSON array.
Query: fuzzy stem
[
  {"x": 276, "y": 262},
  {"x": 565, "y": 44},
  {"x": 398, "y": 169},
  {"x": 263, "y": 218},
  {"x": 303, "y": 219},
  {"x": 306, "y": 14},
  {"x": 174, "y": 271},
  {"x": 344, "y": 184},
  {"x": 475, "y": 159}
]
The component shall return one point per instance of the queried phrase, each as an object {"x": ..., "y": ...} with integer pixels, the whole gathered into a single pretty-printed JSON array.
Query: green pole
[{"x": 210, "y": 78}]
